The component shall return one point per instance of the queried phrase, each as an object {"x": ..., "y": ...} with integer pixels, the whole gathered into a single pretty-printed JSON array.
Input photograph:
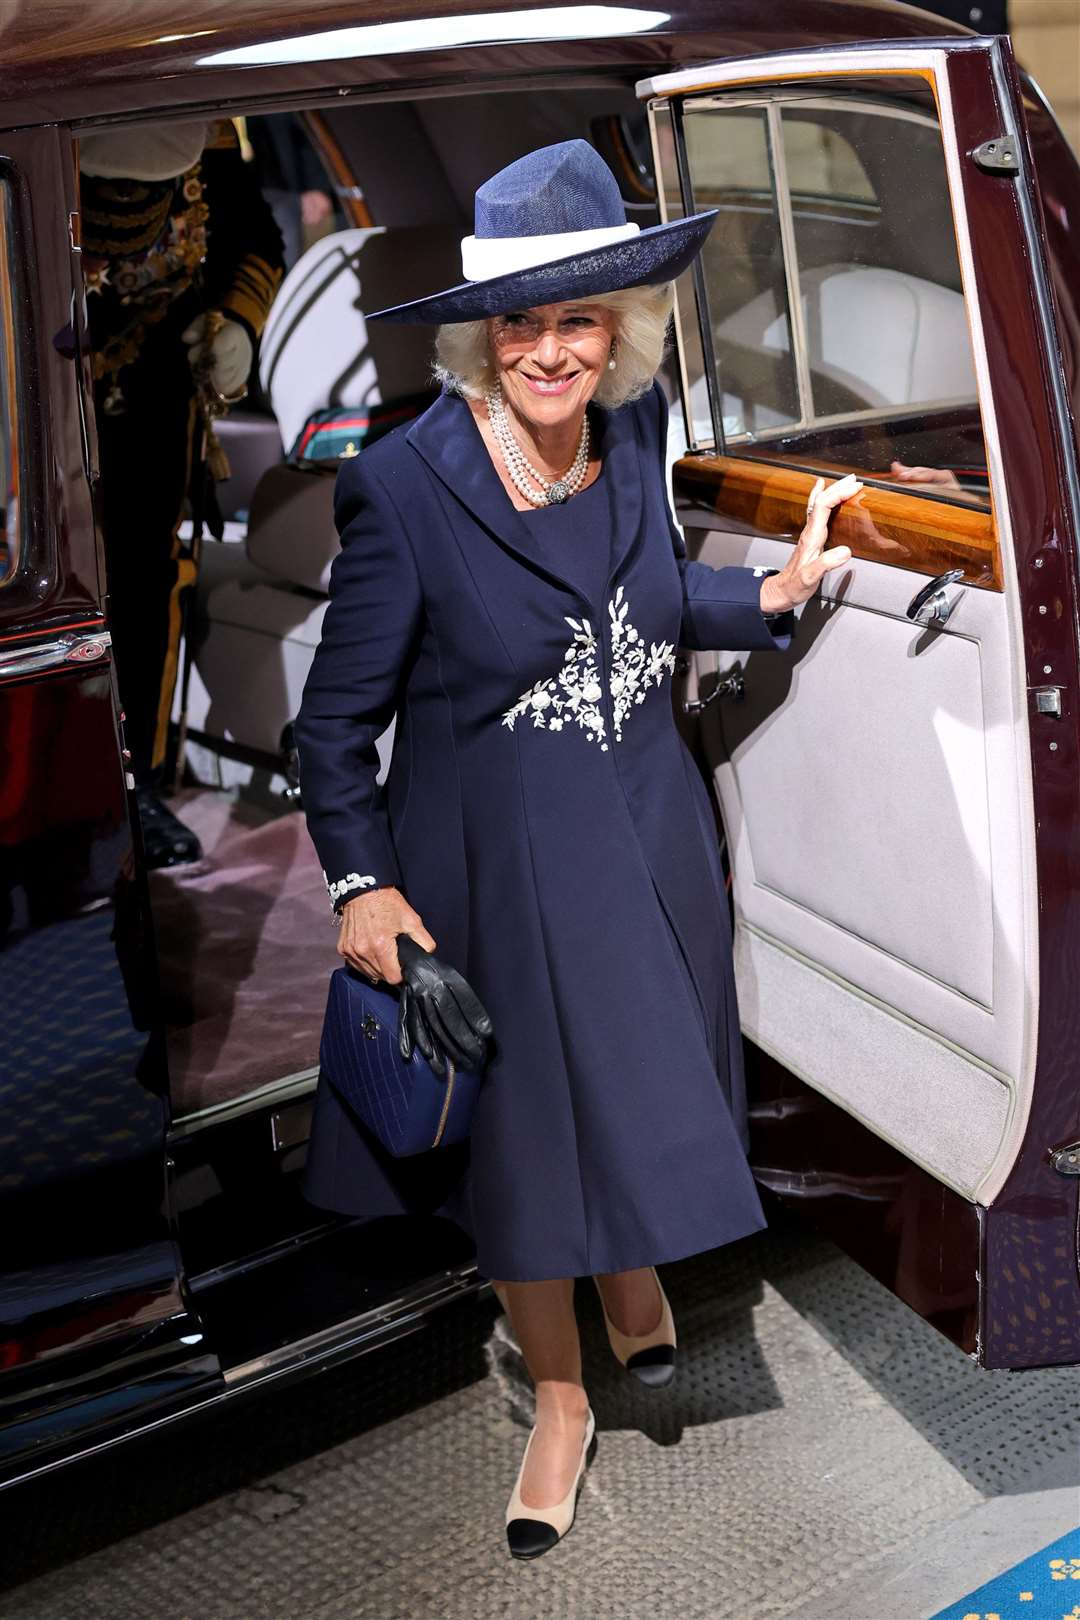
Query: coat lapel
[
  {"x": 622, "y": 454},
  {"x": 448, "y": 440}
]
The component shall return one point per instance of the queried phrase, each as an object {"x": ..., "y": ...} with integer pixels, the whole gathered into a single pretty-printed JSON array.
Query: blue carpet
[{"x": 1045, "y": 1586}]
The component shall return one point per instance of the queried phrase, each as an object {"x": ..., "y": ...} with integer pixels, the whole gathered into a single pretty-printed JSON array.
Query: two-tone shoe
[
  {"x": 649, "y": 1356},
  {"x": 533, "y": 1531}
]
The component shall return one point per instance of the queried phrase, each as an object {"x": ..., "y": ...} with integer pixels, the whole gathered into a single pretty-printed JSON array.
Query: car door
[
  {"x": 96, "y": 1335},
  {"x": 900, "y": 795}
]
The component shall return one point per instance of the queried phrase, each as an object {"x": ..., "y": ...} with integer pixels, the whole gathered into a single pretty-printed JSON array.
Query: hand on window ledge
[{"x": 810, "y": 561}]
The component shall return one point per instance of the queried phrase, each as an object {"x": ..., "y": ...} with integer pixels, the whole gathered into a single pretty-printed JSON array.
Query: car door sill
[
  {"x": 394, "y": 1319},
  {"x": 286, "y": 1089},
  {"x": 382, "y": 1324}
]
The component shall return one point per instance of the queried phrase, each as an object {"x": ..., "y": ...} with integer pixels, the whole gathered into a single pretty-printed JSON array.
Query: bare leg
[
  {"x": 542, "y": 1316},
  {"x": 632, "y": 1300}
]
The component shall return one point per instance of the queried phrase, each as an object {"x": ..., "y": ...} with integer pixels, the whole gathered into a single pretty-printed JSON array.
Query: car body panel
[{"x": 74, "y": 66}]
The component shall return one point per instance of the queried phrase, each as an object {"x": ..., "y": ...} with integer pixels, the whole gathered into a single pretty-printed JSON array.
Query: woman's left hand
[{"x": 810, "y": 561}]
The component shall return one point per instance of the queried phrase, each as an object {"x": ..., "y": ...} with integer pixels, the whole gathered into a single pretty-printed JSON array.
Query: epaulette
[{"x": 222, "y": 136}]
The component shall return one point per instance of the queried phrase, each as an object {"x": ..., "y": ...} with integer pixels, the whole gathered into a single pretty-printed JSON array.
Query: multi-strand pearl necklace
[{"x": 553, "y": 491}]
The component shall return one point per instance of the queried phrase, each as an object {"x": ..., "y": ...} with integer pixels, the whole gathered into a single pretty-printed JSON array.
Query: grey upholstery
[
  {"x": 291, "y": 536},
  {"x": 892, "y": 338},
  {"x": 252, "y": 443},
  {"x": 257, "y": 643},
  {"x": 875, "y": 788},
  {"x": 889, "y": 337},
  {"x": 260, "y": 605}
]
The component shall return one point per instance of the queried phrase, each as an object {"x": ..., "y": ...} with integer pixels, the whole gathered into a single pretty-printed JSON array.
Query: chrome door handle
[
  {"x": 731, "y": 685},
  {"x": 931, "y": 605},
  {"x": 65, "y": 649}
]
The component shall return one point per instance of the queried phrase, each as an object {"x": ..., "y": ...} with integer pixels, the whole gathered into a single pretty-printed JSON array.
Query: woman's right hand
[{"x": 370, "y": 924}]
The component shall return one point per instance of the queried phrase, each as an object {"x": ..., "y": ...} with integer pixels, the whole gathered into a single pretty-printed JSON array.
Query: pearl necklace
[{"x": 553, "y": 491}]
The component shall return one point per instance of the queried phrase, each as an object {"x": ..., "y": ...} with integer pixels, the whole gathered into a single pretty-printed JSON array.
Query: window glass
[
  {"x": 691, "y": 353},
  {"x": 836, "y": 206},
  {"x": 730, "y": 168},
  {"x": 10, "y": 515},
  {"x": 822, "y": 163}
]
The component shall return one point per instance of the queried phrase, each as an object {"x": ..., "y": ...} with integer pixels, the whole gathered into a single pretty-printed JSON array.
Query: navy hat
[{"x": 551, "y": 228}]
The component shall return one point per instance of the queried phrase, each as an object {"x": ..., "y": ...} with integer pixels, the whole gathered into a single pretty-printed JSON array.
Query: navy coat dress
[{"x": 545, "y": 818}]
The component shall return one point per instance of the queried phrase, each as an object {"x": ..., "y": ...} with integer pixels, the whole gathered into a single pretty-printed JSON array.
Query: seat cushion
[
  {"x": 291, "y": 534},
  {"x": 252, "y": 443},
  {"x": 254, "y": 658},
  {"x": 267, "y": 609},
  {"x": 889, "y": 337}
]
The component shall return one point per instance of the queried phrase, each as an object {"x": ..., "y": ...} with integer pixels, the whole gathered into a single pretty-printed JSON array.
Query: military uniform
[{"x": 157, "y": 254}]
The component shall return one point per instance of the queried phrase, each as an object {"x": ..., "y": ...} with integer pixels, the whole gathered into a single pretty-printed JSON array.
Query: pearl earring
[{"x": 611, "y": 360}]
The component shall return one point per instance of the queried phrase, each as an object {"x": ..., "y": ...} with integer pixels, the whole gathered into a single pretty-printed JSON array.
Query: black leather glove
[{"x": 439, "y": 1014}]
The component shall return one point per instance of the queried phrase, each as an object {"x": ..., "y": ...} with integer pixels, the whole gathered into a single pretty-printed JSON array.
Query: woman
[{"x": 512, "y": 587}]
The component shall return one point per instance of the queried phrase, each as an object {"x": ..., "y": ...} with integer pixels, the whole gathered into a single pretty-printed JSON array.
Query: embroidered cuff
[{"x": 344, "y": 888}]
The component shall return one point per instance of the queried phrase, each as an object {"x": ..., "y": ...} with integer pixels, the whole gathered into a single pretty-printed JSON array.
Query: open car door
[{"x": 900, "y": 795}]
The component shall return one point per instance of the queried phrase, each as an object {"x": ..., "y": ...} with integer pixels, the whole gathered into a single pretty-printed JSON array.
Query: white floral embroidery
[
  {"x": 574, "y": 693},
  {"x": 633, "y": 670},
  {"x": 352, "y": 880}
]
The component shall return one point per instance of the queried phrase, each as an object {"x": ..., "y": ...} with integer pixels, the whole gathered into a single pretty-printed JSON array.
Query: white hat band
[{"x": 483, "y": 257}]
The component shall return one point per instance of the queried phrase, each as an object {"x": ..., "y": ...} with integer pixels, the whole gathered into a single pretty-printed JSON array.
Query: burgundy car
[{"x": 891, "y": 287}]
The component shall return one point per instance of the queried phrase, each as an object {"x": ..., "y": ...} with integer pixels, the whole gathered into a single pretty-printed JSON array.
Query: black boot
[{"x": 166, "y": 841}]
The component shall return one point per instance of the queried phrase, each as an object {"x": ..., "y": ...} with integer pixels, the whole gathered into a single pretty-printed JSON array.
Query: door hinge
[
  {"x": 1066, "y": 1160},
  {"x": 997, "y": 156}
]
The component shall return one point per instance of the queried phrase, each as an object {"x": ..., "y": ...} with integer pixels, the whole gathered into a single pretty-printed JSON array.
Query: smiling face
[{"x": 550, "y": 359}]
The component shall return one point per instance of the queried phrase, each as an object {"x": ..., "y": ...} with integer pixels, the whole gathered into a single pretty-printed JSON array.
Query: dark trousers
[{"x": 145, "y": 460}]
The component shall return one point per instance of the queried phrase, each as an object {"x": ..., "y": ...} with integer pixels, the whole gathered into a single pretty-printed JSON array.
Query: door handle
[
  {"x": 66, "y": 649},
  {"x": 931, "y": 605},
  {"x": 731, "y": 685}
]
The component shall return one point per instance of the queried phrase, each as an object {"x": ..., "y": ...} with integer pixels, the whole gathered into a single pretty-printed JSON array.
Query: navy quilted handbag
[{"x": 403, "y": 1102}]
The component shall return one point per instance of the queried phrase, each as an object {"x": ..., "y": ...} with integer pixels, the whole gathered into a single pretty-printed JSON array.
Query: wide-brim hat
[{"x": 549, "y": 229}]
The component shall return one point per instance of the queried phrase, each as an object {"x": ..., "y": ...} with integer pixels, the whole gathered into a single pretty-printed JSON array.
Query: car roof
[{"x": 73, "y": 60}]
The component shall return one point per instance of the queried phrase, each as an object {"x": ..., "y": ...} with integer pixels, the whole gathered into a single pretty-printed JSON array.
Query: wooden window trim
[{"x": 894, "y": 527}]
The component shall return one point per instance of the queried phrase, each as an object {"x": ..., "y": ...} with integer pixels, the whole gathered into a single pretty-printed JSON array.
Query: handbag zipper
[{"x": 450, "y": 1077}]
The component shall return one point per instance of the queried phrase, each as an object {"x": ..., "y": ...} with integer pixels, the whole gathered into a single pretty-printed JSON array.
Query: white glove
[{"x": 230, "y": 353}]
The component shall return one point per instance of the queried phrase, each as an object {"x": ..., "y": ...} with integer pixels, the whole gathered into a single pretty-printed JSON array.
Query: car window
[
  {"x": 821, "y": 162},
  {"x": 10, "y": 512},
  {"x": 730, "y": 166},
  {"x": 836, "y": 307}
]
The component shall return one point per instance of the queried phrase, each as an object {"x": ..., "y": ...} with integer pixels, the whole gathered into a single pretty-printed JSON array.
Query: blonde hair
[{"x": 464, "y": 363}]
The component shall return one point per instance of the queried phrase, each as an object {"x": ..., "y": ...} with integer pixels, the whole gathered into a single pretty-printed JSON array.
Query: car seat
[
  {"x": 261, "y": 595},
  {"x": 880, "y": 337}
]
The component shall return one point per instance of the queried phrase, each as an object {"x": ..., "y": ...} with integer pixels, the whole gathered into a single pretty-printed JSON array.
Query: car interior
[{"x": 834, "y": 226}]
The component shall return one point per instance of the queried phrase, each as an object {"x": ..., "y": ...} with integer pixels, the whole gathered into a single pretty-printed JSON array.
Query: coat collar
[{"x": 448, "y": 440}]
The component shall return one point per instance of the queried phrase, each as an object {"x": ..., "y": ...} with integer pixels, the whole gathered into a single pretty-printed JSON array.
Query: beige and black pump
[
  {"x": 532, "y": 1531},
  {"x": 649, "y": 1356}
]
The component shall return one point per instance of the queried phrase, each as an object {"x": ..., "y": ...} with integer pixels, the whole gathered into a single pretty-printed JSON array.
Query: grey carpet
[{"x": 816, "y": 1427}]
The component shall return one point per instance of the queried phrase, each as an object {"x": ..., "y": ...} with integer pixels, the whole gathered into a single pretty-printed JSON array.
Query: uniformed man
[{"x": 181, "y": 259}]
